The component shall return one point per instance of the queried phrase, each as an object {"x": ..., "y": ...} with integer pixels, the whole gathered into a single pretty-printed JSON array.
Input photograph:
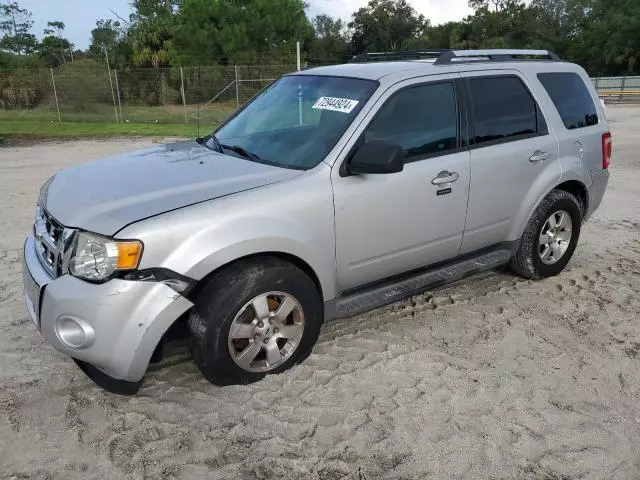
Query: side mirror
[{"x": 377, "y": 158}]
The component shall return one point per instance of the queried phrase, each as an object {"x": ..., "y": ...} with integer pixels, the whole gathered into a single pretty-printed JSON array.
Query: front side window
[
  {"x": 572, "y": 99},
  {"x": 298, "y": 120},
  {"x": 502, "y": 108},
  {"x": 423, "y": 120}
]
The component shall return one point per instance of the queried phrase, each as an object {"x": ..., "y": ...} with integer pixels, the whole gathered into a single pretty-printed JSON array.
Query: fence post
[
  {"x": 55, "y": 94},
  {"x": 237, "y": 88},
  {"x": 113, "y": 96},
  {"x": 622, "y": 88},
  {"x": 298, "y": 54},
  {"x": 115, "y": 74},
  {"x": 184, "y": 99},
  {"x": 106, "y": 54}
]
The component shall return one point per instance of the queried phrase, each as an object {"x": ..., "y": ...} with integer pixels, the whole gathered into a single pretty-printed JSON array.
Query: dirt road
[{"x": 494, "y": 378}]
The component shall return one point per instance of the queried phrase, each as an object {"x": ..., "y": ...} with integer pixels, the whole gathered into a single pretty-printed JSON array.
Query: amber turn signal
[{"x": 129, "y": 254}]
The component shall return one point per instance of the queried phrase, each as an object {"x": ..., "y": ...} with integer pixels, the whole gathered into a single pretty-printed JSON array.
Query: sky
[{"x": 80, "y": 16}]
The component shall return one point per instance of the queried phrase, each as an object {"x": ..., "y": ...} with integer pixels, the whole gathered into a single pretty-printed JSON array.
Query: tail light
[{"x": 607, "y": 150}]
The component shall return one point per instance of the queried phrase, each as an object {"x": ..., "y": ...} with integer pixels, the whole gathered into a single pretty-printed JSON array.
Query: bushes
[
  {"x": 79, "y": 85},
  {"x": 82, "y": 84},
  {"x": 150, "y": 87},
  {"x": 23, "y": 89}
]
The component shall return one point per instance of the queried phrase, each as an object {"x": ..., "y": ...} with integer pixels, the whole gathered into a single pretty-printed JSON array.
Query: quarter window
[
  {"x": 572, "y": 99},
  {"x": 422, "y": 119},
  {"x": 503, "y": 109}
]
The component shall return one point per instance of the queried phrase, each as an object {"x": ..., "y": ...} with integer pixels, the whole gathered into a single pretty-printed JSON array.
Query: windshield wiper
[
  {"x": 219, "y": 147},
  {"x": 241, "y": 151},
  {"x": 217, "y": 143}
]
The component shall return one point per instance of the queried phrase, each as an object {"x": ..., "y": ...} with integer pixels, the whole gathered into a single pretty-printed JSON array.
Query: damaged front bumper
[{"x": 110, "y": 329}]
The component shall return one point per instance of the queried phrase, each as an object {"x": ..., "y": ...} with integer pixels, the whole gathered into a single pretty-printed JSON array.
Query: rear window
[
  {"x": 572, "y": 99},
  {"x": 503, "y": 110}
]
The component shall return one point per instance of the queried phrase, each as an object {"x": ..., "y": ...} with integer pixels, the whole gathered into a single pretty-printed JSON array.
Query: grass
[
  {"x": 99, "y": 122},
  {"x": 38, "y": 129}
]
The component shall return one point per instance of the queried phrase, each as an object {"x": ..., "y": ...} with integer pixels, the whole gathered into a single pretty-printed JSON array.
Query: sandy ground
[{"x": 493, "y": 378}]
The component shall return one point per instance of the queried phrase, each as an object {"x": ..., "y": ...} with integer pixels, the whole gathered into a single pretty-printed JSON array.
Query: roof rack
[
  {"x": 399, "y": 56},
  {"x": 496, "y": 55},
  {"x": 448, "y": 56}
]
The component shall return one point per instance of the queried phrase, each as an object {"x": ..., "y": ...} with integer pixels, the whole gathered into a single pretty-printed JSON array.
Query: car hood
[{"x": 106, "y": 195}]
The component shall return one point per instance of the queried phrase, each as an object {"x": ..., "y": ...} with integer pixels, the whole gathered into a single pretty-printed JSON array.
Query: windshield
[{"x": 295, "y": 122}]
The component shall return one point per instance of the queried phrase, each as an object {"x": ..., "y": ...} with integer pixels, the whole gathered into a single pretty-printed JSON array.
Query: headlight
[{"x": 97, "y": 258}]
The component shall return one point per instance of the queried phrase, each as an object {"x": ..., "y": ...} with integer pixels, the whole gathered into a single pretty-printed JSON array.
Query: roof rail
[
  {"x": 495, "y": 55},
  {"x": 448, "y": 56},
  {"x": 398, "y": 56}
]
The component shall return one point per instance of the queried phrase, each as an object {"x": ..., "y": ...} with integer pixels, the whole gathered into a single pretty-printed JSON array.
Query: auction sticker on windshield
[{"x": 343, "y": 105}]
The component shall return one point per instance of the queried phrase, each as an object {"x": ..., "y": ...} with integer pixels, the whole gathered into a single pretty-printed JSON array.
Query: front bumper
[{"x": 120, "y": 322}]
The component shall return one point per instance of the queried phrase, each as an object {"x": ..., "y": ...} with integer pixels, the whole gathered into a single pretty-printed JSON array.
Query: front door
[{"x": 390, "y": 224}]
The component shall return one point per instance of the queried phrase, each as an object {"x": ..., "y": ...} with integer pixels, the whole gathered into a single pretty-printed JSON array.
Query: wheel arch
[
  {"x": 287, "y": 257},
  {"x": 575, "y": 187},
  {"x": 200, "y": 284},
  {"x": 578, "y": 190}
]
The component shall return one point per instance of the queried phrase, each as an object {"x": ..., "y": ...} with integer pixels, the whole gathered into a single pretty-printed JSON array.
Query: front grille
[{"x": 50, "y": 238}]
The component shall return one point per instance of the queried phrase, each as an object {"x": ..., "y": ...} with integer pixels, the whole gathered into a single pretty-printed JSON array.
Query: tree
[
  {"x": 151, "y": 44},
  {"x": 331, "y": 40},
  {"x": 107, "y": 32},
  {"x": 439, "y": 36},
  {"x": 15, "y": 26},
  {"x": 556, "y": 25},
  {"x": 241, "y": 30},
  {"x": 155, "y": 8},
  {"x": 606, "y": 35},
  {"x": 111, "y": 35},
  {"x": 514, "y": 25},
  {"x": 53, "y": 48},
  {"x": 55, "y": 28},
  {"x": 152, "y": 31},
  {"x": 385, "y": 25},
  {"x": 498, "y": 5}
]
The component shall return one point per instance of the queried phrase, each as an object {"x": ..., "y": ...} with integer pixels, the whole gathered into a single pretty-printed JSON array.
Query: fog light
[{"x": 74, "y": 332}]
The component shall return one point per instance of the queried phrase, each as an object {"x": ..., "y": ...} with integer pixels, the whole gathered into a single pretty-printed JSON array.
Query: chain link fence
[
  {"x": 90, "y": 93},
  {"x": 86, "y": 91}
]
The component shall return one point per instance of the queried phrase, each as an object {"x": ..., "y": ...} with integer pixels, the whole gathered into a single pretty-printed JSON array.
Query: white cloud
[{"x": 438, "y": 11}]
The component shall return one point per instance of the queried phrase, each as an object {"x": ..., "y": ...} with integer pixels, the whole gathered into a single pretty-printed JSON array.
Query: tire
[
  {"x": 528, "y": 260},
  {"x": 226, "y": 300}
]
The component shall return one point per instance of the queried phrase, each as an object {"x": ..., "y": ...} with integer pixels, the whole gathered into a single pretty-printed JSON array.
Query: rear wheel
[
  {"x": 255, "y": 317},
  {"x": 550, "y": 237}
]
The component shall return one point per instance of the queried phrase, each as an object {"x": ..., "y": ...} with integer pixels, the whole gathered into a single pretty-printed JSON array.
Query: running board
[{"x": 390, "y": 291}]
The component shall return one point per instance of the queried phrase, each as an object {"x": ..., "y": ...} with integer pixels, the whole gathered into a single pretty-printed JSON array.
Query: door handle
[
  {"x": 445, "y": 177},
  {"x": 539, "y": 156}
]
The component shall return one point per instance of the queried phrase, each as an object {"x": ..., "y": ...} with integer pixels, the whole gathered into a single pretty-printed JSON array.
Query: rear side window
[
  {"x": 422, "y": 119},
  {"x": 572, "y": 99},
  {"x": 503, "y": 110}
]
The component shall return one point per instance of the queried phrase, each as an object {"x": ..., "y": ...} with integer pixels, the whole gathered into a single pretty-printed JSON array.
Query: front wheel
[
  {"x": 550, "y": 237},
  {"x": 255, "y": 317}
]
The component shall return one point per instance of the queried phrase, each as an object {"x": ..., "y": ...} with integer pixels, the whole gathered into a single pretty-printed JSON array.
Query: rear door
[
  {"x": 580, "y": 134},
  {"x": 513, "y": 155}
]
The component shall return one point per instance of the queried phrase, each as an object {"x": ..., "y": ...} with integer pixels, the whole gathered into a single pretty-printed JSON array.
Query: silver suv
[{"x": 335, "y": 191}]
